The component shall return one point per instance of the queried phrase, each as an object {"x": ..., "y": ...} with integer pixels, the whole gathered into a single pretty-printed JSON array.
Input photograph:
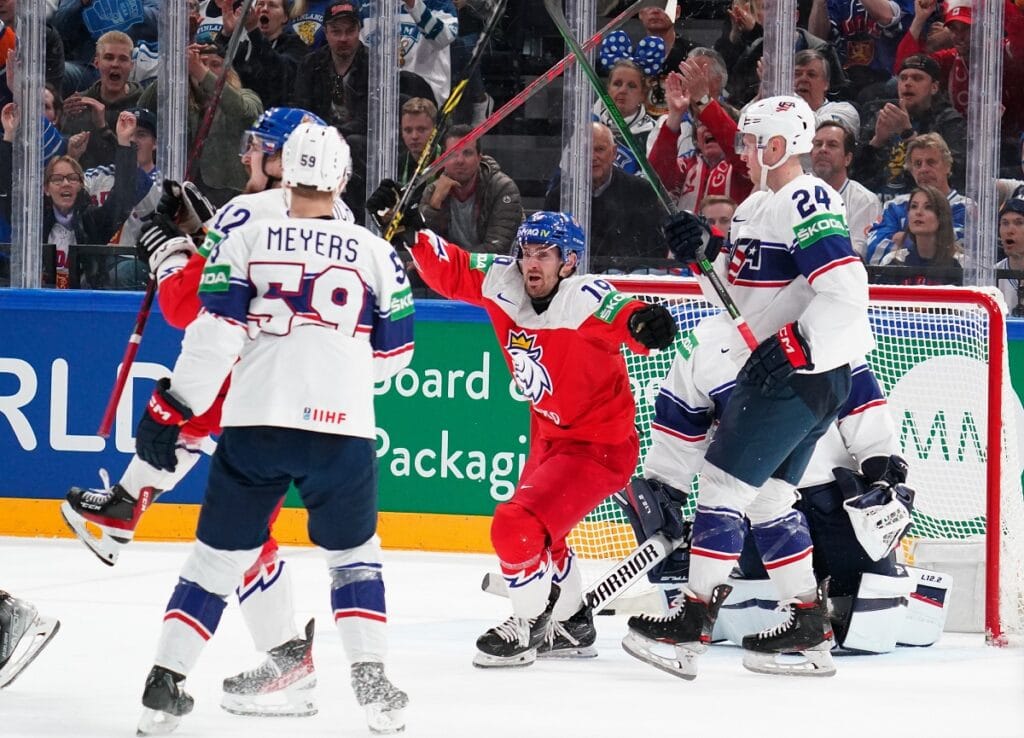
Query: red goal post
[{"x": 941, "y": 358}]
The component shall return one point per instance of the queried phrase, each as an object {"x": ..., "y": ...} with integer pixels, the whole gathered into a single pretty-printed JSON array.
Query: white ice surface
[{"x": 88, "y": 682}]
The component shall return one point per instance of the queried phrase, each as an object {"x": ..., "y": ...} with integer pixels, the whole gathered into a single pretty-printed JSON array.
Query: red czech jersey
[{"x": 566, "y": 360}]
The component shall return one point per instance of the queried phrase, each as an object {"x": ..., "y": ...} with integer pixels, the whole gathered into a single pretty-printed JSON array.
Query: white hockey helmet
[
  {"x": 784, "y": 115},
  {"x": 316, "y": 156}
]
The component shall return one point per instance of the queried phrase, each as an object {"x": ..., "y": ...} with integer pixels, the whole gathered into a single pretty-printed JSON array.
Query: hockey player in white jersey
[
  {"x": 281, "y": 684},
  {"x": 791, "y": 270},
  {"x": 305, "y": 305},
  {"x": 872, "y": 606},
  {"x": 23, "y": 634}
]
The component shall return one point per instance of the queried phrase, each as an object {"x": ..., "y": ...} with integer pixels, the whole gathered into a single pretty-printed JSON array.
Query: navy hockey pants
[
  {"x": 252, "y": 468},
  {"x": 763, "y": 436}
]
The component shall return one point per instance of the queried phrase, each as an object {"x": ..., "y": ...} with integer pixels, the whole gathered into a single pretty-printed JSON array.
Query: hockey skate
[
  {"x": 109, "y": 511},
  {"x": 165, "y": 700},
  {"x": 687, "y": 631},
  {"x": 800, "y": 645},
  {"x": 383, "y": 701},
  {"x": 282, "y": 686},
  {"x": 570, "y": 639},
  {"x": 23, "y": 634},
  {"x": 515, "y": 642}
]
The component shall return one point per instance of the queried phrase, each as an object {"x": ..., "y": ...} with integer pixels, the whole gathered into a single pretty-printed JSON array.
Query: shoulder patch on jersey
[
  {"x": 210, "y": 242},
  {"x": 687, "y": 344},
  {"x": 481, "y": 262},
  {"x": 610, "y": 306},
  {"x": 401, "y": 304},
  {"x": 814, "y": 229},
  {"x": 216, "y": 278}
]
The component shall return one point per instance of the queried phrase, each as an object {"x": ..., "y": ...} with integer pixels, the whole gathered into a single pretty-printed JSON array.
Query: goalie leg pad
[
  {"x": 875, "y": 615},
  {"x": 927, "y": 607},
  {"x": 358, "y": 601},
  {"x": 751, "y": 607}
]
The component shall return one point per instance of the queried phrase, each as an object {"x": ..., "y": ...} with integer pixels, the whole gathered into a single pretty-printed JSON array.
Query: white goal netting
[{"x": 941, "y": 360}]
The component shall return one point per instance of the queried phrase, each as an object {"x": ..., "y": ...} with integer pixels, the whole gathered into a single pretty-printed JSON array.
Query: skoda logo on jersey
[{"x": 531, "y": 376}]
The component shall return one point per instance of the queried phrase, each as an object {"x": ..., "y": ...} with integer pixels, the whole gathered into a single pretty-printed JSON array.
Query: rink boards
[{"x": 451, "y": 437}]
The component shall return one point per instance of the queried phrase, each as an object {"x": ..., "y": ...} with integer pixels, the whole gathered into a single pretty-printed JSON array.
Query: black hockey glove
[
  {"x": 185, "y": 205},
  {"x": 690, "y": 237},
  {"x": 776, "y": 359},
  {"x": 890, "y": 470},
  {"x": 653, "y": 507},
  {"x": 159, "y": 239},
  {"x": 653, "y": 326},
  {"x": 382, "y": 200},
  {"x": 156, "y": 437}
]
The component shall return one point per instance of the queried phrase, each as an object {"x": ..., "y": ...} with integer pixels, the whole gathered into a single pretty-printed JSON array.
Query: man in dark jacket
[
  {"x": 624, "y": 212},
  {"x": 473, "y": 203},
  {"x": 921, "y": 108}
]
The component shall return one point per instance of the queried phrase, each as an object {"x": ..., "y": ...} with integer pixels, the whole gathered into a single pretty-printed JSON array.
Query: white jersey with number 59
[{"x": 314, "y": 310}]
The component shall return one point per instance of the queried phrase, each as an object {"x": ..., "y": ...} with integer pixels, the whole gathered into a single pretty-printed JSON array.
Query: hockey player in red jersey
[
  {"x": 279, "y": 686},
  {"x": 560, "y": 334}
]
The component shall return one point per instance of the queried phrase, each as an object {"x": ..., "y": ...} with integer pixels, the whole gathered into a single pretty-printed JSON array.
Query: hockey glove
[
  {"x": 156, "y": 437},
  {"x": 889, "y": 469},
  {"x": 382, "y": 200},
  {"x": 653, "y": 326},
  {"x": 776, "y": 359},
  {"x": 690, "y": 237},
  {"x": 185, "y": 205},
  {"x": 653, "y": 507},
  {"x": 881, "y": 517},
  {"x": 159, "y": 240}
]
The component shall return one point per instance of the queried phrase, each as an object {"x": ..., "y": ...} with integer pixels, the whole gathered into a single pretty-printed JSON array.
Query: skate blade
[
  {"x": 581, "y": 652},
  {"x": 297, "y": 700},
  {"x": 102, "y": 544},
  {"x": 156, "y": 722},
  {"x": 684, "y": 665},
  {"x": 382, "y": 721},
  {"x": 815, "y": 662},
  {"x": 41, "y": 632},
  {"x": 486, "y": 661}
]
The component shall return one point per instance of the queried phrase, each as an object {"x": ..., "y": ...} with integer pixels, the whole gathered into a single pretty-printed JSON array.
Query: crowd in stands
[{"x": 887, "y": 79}]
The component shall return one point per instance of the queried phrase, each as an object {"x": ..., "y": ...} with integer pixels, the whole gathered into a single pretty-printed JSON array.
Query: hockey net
[{"x": 941, "y": 359}]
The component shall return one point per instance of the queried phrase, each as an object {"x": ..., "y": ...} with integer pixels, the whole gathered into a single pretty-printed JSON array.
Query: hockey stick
[
  {"x": 554, "y": 9},
  {"x": 142, "y": 317},
  {"x": 616, "y": 580},
  {"x": 444, "y": 116},
  {"x": 527, "y": 92}
]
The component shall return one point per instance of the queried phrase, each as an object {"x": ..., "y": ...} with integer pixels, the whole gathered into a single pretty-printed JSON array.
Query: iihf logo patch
[{"x": 529, "y": 373}]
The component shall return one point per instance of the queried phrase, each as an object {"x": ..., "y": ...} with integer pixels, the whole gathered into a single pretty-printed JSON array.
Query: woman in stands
[{"x": 929, "y": 242}]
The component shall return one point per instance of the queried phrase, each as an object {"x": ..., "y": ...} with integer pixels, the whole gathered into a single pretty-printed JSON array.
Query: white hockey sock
[
  {"x": 570, "y": 581},
  {"x": 139, "y": 474},
  {"x": 529, "y": 587},
  {"x": 357, "y": 598},
  {"x": 265, "y": 598}
]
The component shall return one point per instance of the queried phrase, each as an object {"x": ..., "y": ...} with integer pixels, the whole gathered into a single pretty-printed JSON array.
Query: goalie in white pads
[
  {"x": 794, "y": 276},
  {"x": 298, "y": 302},
  {"x": 872, "y": 606},
  {"x": 282, "y": 684},
  {"x": 23, "y": 634}
]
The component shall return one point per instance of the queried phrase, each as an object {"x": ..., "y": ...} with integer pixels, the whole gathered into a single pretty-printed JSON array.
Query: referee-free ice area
[{"x": 87, "y": 683}]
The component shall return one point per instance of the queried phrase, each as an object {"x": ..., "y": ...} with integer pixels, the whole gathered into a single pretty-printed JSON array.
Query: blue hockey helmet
[
  {"x": 552, "y": 229},
  {"x": 273, "y": 127}
]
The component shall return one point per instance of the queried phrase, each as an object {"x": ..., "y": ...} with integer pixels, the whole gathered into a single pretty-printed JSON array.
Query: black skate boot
[
  {"x": 515, "y": 642},
  {"x": 23, "y": 634},
  {"x": 570, "y": 639},
  {"x": 806, "y": 632},
  {"x": 688, "y": 631},
  {"x": 280, "y": 686},
  {"x": 165, "y": 700},
  {"x": 110, "y": 509},
  {"x": 383, "y": 701}
]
